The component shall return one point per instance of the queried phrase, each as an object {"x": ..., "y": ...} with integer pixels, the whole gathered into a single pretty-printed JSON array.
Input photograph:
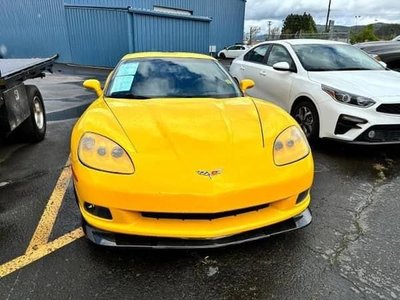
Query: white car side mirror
[{"x": 281, "y": 66}]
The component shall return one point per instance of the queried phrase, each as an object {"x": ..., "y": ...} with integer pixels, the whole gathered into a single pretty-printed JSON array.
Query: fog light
[
  {"x": 371, "y": 134},
  {"x": 98, "y": 211}
]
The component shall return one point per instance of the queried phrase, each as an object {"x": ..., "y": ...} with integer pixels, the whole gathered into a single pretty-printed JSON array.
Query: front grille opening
[
  {"x": 203, "y": 216},
  {"x": 302, "y": 196},
  {"x": 393, "y": 109}
]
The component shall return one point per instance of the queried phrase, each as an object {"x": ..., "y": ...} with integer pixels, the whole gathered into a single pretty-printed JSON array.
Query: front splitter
[{"x": 110, "y": 239}]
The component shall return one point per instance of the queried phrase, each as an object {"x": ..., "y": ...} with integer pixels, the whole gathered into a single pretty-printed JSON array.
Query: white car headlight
[
  {"x": 100, "y": 153},
  {"x": 348, "y": 98}
]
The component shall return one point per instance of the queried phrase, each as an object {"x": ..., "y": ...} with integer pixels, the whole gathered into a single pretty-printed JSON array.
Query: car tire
[
  {"x": 306, "y": 114},
  {"x": 222, "y": 55},
  {"x": 33, "y": 129}
]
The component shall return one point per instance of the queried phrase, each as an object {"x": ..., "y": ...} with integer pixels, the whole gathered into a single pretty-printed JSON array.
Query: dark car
[{"x": 387, "y": 51}]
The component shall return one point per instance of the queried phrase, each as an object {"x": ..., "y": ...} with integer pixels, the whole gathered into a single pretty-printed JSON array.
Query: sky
[{"x": 343, "y": 12}]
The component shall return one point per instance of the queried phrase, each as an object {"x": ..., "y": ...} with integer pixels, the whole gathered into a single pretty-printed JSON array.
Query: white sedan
[
  {"x": 232, "y": 51},
  {"x": 333, "y": 90}
]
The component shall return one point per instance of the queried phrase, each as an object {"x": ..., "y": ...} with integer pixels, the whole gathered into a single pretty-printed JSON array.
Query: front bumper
[
  {"x": 105, "y": 238},
  {"x": 385, "y": 126}
]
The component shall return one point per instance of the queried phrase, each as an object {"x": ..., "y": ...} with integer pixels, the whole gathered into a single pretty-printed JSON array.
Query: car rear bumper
[{"x": 105, "y": 238}]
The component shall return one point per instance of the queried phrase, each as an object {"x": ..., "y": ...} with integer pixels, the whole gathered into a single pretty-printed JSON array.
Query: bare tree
[
  {"x": 275, "y": 33},
  {"x": 254, "y": 30}
]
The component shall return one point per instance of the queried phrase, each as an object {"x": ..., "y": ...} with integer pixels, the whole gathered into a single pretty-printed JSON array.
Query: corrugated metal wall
[
  {"x": 33, "y": 28},
  {"x": 100, "y": 36},
  {"x": 157, "y": 32},
  {"x": 227, "y": 24}
]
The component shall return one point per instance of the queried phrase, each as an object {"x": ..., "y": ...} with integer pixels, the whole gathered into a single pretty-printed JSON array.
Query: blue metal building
[{"x": 99, "y": 32}]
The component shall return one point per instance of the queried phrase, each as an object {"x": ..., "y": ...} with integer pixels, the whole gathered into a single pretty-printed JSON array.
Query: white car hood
[{"x": 369, "y": 83}]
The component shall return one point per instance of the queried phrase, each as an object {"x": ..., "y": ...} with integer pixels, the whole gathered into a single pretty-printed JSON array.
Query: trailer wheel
[{"x": 33, "y": 129}]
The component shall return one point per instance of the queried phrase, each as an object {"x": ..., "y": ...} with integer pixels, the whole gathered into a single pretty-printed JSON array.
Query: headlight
[
  {"x": 348, "y": 98},
  {"x": 98, "y": 152},
  {"x": 291, "y": 145}
]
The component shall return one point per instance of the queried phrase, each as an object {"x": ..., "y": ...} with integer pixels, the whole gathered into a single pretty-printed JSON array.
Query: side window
[
  {"x": 231, "y": 48},
  {"x": 257, "y": 54},
  {"x": 279, "y": 54}
]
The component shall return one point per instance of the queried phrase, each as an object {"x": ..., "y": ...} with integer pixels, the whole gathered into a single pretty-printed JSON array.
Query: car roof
[
  {"x": 307, "y": 42},
  {"x": 167, "y": 55}
]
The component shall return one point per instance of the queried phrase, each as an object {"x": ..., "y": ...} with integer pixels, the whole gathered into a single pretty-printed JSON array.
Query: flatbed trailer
[{"x": 21, "y": 106}]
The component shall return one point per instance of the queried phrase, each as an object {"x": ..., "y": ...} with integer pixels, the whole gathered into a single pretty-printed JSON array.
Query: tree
[
  {"x": 295, "y": 24},
  {"x": 275, "y": 33},
  {"x": 254, "y": 30},
  {"x": 365, "y": 35}
]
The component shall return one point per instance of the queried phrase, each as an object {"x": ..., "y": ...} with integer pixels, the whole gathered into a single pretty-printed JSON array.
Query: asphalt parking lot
[{"x": 350, "y": 251}]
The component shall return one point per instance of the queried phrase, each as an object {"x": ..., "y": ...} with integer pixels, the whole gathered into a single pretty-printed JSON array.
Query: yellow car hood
[{"x": 190, "y": 129}]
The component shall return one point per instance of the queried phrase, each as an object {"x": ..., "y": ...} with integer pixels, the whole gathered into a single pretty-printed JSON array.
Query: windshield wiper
[
  {"x": 352, "y": 69},
  {"x": 126, "y": 95},
  {"x": 218, "y": 96}
]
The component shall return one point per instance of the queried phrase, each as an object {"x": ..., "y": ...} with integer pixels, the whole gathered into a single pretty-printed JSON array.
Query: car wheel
[
  {"x": 222, "y": 55},
  {"x": 33, "y": 129},
  {"x": 306, "y": 114}
]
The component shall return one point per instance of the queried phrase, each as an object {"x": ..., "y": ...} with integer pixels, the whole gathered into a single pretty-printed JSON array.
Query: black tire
[
  {"x": 222, "y": 55},
  {"x": 306, "y": 114},
  {"x": 33, "y": 129}
]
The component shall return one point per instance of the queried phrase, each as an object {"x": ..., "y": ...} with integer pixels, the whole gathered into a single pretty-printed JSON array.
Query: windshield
[
  {"x": 334, "y": 57},
  {"x": 171, "y": 78}
]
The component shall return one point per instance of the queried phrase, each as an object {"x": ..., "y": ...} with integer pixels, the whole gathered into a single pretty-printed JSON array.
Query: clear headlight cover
[
  {"x": 290, "y": 146},
  {"x": 348, "y": 98},
  {"x": 100, "y": 153}
]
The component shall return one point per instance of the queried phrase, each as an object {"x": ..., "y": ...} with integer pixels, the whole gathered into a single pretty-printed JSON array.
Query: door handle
[
  {"x": 263, "y": 73},
  {"x": 242, "y": 68}
]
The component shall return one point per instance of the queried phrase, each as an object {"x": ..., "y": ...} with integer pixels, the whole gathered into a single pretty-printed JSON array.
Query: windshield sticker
[
  {"x": 122, "y": 84},
  {"x": 228, "y": 82},
  {"x": 128, "y": 69}
]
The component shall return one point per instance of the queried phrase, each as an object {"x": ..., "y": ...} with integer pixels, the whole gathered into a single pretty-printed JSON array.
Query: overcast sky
[{"x": 259, "y": 12}]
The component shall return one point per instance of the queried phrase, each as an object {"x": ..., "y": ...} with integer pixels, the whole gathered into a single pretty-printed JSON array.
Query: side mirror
[
  {"x": 383, "y": 64},
  {"x": 281, "y": 66},
  {"x": 93, "y": 84},
  {"x": 246, "y": 84}
]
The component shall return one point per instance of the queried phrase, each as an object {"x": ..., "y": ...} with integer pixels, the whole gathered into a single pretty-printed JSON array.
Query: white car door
[
  {"x": 250, "y": 67},
  {"x": 234, "y": 51},
  {"x": 276, "y": 85}
]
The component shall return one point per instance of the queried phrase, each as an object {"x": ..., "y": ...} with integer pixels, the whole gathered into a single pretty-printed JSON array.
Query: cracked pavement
[{"x": 350, "y": 251}]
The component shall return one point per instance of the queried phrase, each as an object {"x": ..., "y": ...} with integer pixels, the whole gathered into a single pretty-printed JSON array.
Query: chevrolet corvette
[{"x": 173, "y": 154}]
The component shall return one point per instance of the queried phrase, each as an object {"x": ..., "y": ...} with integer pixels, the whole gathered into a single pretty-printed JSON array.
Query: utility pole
[
  {"x": 356, "y": 17},
  {"x": 269, "y": 29},
  {"x": 327, "y": 16}
]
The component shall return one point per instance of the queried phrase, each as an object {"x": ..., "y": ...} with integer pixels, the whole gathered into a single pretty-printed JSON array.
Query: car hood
[
  {"x": 209, "y": 132},
  {"x": 367, "y": 83}
]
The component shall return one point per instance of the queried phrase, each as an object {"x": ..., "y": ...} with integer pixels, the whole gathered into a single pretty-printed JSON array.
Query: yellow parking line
[
  {"x": 41, "y": 251},
  {"x": 43, "y": 230}
]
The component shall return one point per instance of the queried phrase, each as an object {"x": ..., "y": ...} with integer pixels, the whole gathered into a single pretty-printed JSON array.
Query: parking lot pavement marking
[
  {"x": 46, "y": 223},
  {"x": 41, "y": 251},
  {"x": 39, "y": 245}
]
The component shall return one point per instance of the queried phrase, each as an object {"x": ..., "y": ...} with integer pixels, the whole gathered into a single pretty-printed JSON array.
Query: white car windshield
[
  {"x": 334, "y": 57},
  {"x": 171, "y": 78}
]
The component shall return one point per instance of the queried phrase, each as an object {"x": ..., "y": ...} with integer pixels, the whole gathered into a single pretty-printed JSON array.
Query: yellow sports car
[{"x": 172, "y": 154}]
